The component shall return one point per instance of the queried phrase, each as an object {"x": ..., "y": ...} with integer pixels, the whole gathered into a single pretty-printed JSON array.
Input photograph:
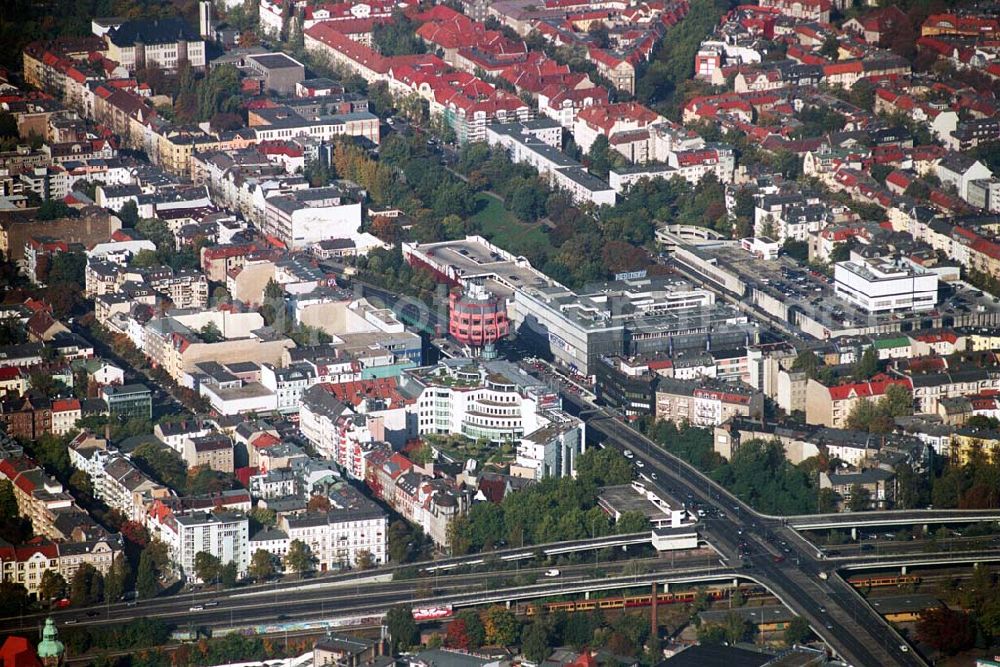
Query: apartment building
[
  {"x": 214, "y": 450},
  {"x": 343, "y": 536},
  {"x": 222, "y": 534},
  {"x": 305, "y": 217},
  {"x": 25, "y": 564},
  {"x": 551, "y": 163},
  {"x": 155, "y": 43},
  {"x": 831, "y": 406},
  {"x": 705, "y": 402},
  {"x": 494, "y": 400}
]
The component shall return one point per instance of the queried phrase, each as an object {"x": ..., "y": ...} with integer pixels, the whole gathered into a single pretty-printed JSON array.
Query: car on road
[
  {"x": 61, "y": 604},
  {"x": 640, "y": 464},
  {"x": 779, "y": 559},
  {"x": 197, "y": 607},
  {"x": 93, "y": 614},
  {"x": 552, "y": 573},
  {"x": 904, "y": 648}
]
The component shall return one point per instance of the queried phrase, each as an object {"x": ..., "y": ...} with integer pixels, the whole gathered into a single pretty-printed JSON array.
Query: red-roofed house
[
  {"x": 609, "y": 120},
  {"x": 831, "y": 406},
  {"x": 878, "y": 25},
  {"x": 563, "y": 105},
  {"x": 65, "y": 413},
  {"x": 811, "y": 10},
  {"x": 17, "y": 651},
  {"x": 953, "y": 24}
]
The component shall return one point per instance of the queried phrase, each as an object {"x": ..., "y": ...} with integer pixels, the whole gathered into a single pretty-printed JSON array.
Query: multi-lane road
[
  {"x": 835, "y": 611},
  {"x": 361, "y": 593}
]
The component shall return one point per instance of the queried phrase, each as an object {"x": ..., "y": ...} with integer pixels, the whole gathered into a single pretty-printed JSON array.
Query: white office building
[
  {"x": 494, "y": 400},
  {"x": 880, "y": 285},
  {"x": 225, "y": 535}
]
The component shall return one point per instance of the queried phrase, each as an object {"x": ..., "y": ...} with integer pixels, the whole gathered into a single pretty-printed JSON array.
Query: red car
[
  {"x": 61, "y": 604},
  {"x": 779, "y": 559}
]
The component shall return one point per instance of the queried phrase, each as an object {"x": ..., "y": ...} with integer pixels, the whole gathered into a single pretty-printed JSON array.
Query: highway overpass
[
  {"x": 856, "y": 520},
  {"x": 832, "y": 607}
]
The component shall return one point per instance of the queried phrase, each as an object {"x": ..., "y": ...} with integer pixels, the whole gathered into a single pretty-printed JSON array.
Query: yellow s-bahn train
[
  {"x": 631, "y": 601},
  {"x": 880, "y": 581}
]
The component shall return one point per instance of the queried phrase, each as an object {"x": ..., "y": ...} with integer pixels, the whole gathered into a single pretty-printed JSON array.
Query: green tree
[
  {"x": 262, "y": 565},
  {"x": 402, "y": 629},
  {"x": 52, "y": 585},
  {"x": 604, "y": 467},
  {"x": 827, "y": 502},
  {"x": 860, "y": 500},
  {"x": 535, "y": 642},
  {"x": 83, "y": 586},
  {"x": 228, "y": 575},
  {"x": 210, "y": 333},
  {"x": 736, "y": 628},
  {"x": 365, "y": 560},
  {"x": 474, "y": 629},
  {"x": 631, "y": 522},
  {"x": 912, "y": 489},
  {"x": 299, "y": 557},
  {"x": 459, "y": 538},
  {"x": 760, "y": 475},
  {"x": 897, "y": 401},
  {"x": 867, "y": 366},
  {"x": 806, "y": 362},
  {"x": 129, "y": 214},
  {"x": 116, "y": 581},
  {"x": 830, "y": 48},
  {"x": 797, "y": 631},
  {"x": 13, "y": 597},
  {"x": 206, "y": 566},
  {"x": 501, "y": 626},
  {"x": 146, "y": 579},
  {"x": 711, "y": 633},
  {"x": 486, "y": 526},
  {"x": 54, "y": 209}
]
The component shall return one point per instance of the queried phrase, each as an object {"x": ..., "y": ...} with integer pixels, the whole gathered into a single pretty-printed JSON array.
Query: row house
[
  {"x": 832, "y": 405},
  {"x": 551, "y": 163},
  {"x": 931, "y": 388},
  {"x": 125, "y": 488},
  {"x": 40, "y": 497},
  {"x": 431, "y": 503},
  {"x": 284, "y": 123},
  {"x": 353, "y": 530},
  {"x": 26, "y": 564},
  {"x": 336, "y": 431},
  {"x": 846, "y": 73},
  {"x": 705, "y": 403},
  {"x": 563, "y": 104},
  {"x": 28, "y": 417},
  {"x": 609, "y": 120}
]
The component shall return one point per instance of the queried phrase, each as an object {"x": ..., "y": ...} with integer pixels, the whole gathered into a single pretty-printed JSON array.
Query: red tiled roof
[
  {"x": 355, "y": 392},
  {"x": 605, "y": 116},
  {"x": 874, "y": 388}
]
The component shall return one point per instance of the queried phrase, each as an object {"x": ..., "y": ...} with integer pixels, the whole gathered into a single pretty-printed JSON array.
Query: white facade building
[
  {"x": 225, "y": 535},
  {"x": 878, "y": 285},
  {"x": 339, "y": 537}
]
